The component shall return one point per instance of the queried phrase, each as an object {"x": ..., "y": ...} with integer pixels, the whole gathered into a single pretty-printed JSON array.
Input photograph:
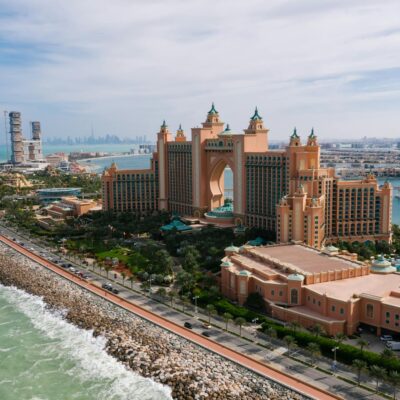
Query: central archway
[{"x": 217, "y": 185}]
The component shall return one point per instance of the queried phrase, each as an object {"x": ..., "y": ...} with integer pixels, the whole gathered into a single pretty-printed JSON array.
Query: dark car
[
  {"x": 64, "y": 265},
  {"x": 106, "y": 286},
  {"x": 206, "y": 334},
  {"x": 85, "y": 276},
  {"x": 188, "y": 325},
  {"x": 69, "y": 265},
  {"x": 115, "y": 291}
]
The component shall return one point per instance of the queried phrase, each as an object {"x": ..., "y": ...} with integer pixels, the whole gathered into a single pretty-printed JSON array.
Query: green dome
[
  {"x": 245, "y": 273},
  {"x": 382, "y": 266},
  {"x": 226, "y": 264},
  {"x": 296, "y": 277},
  {"x": 232, "y": 248}
]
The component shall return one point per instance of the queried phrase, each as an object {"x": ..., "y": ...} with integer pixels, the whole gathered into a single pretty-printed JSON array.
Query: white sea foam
[{"x": 87, "y": 352}]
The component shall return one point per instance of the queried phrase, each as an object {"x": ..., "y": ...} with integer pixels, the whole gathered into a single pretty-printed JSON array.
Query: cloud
[{"x": 125, "y": 65}]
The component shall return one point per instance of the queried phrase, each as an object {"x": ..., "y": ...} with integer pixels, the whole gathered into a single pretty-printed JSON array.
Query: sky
[{"x": 123, "y": 66}]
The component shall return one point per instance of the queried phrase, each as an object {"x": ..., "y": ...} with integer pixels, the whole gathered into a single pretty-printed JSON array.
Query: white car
[{"x": 386, "y": 338}]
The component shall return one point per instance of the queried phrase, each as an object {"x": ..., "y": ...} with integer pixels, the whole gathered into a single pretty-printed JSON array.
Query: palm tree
[
  {"x": 388, "y": 354},
  {"x": 271, "y": 333},
  {"x": 131, "y": 280},
  {"x": 172, "y": 294},
  {"x": 123, "y": 276},
  {"x": 340, "y": 337},
  {"x": 239, "y": 321},
  {"x": 290, "y": 342},
  {"x": 227, "y": 317},
  {"x": 394, "y": 380},
  {"x": 359, "y": 366},
  {"x": 108, "y": 269},
  {"x": 314, "y": 350},
  {"x": 378, "y": 373},
  {"x": 162, "y": 292},
  {"x": 362, "y": 343},
  {"x": 294, "y": 326},
  {"x": 210, "y": 311},
  {"x": 185, "y": 300},
  {"x": 317, "y": 330}
]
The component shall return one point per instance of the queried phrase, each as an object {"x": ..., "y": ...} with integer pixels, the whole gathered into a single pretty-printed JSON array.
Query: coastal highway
[{"x": 246, "y": 361}]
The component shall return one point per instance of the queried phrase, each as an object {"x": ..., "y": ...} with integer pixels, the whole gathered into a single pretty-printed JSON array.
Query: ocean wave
[{"x": 90, "y": 361}]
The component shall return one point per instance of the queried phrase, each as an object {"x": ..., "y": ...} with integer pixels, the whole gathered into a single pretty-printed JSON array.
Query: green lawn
[{"x": 125, "y": 255}]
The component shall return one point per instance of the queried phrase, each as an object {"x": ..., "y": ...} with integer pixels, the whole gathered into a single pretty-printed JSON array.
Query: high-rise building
[
  {"x": 283, "y": 190},
  {"x": 24, "y": 150},
  {"x": 17, "y": 145}
]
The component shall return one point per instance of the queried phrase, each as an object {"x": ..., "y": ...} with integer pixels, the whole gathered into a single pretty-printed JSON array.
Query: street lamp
[
  {"x": 150, "y": 279},
  {"x": 334, "y": 358},
  {"x": 195, "y": 303}
]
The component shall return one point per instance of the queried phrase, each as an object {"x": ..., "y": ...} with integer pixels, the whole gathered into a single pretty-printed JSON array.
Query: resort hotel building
[
  {"x": 284, "y": 190},
  {"x": 299, "y": 283}
]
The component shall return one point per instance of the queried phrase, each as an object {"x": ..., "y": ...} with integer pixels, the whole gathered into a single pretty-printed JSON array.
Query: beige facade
[{"x": 285, "y": 191}]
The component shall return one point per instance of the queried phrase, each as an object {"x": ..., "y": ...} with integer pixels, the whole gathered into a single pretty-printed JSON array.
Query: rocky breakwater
[{"x": 191, "y": 371}]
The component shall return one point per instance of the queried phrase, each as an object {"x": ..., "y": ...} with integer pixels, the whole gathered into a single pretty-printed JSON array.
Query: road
[{"x": 211, "y": 345}]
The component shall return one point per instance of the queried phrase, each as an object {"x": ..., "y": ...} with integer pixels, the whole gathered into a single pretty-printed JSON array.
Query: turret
[
  {"x": 180, "y": 135},
  {"x": 256, "y": 124},
  {"x": 294, "y": 138},
  {"x": 212, "y": 121},
  {"x": 312, "y": 139}
]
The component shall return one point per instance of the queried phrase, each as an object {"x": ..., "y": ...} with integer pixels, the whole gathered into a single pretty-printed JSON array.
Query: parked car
[
  {"x": 64, "y": 266},
  {"x": 107, "y": 286},
  {"x": 206, "y": 325},
  {"x": 395, "y": 346},
  {"x": 115, "y": 291},
  {"x": 206, "y": 334},
  {"x": 188, "y": 325},
  {"x": 386, "y": 338},
  {"x": 72, "y": 270}
]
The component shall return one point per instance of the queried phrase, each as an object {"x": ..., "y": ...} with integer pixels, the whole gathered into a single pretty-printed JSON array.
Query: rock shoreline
[{"x": 191, "y": 372}]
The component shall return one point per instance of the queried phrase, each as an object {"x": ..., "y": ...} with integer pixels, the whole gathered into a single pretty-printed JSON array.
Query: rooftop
[
  {"x": 303, "y": 259},
  {"x": 372, "y": 284}
]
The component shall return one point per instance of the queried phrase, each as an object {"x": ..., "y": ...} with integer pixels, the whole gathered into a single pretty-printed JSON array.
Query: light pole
[
  {"x": 334, "y": 358},
  {"x": 195, "y": 304},
  {"x": 150, "y": 279}
]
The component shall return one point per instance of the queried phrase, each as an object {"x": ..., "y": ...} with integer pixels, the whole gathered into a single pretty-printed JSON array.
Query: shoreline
[{"x": 189, "y": 370}]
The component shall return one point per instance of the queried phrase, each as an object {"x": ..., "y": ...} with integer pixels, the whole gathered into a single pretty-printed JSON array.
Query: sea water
[{"x": 43, "y": 357}]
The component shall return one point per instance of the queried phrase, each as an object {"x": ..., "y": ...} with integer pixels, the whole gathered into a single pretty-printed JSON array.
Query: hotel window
[
  {"x": 294, "y": 296},
  {"x": 333, "y": 308},
  {"x": 387, "y": 314},
  {"x": 397, "y": 316},
  {"x": 272, "y": 292},
  {"x": 370, "y": 311},
  {"x": 342, "y": 311},
  {"x": 280, "y": 293}
]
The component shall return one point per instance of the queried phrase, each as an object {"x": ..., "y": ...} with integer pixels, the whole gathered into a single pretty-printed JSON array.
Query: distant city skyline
[{"x": 123, "y": 67}]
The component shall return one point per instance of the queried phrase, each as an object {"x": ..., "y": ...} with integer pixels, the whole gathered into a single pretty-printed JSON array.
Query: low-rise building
[
  {"x": 302, "y": 284},
  {"x": 69, "y": 206}
]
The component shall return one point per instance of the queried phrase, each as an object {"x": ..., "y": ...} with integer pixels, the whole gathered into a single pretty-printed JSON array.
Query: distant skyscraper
[
  {"x": 24, "y": 150},
  {"x": 17, "y": 145}
]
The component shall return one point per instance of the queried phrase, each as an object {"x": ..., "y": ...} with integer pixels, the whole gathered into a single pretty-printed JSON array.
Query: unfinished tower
[{"x": 17, "y": 145}]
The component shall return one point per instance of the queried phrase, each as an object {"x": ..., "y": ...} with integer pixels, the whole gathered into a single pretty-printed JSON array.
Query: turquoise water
[
  {"x": 48, "y": 149},
  {"x": 42, "y": 357}
]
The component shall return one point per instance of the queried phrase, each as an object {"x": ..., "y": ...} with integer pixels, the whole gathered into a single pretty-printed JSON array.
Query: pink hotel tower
[{"x": 281, "y": 190}]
